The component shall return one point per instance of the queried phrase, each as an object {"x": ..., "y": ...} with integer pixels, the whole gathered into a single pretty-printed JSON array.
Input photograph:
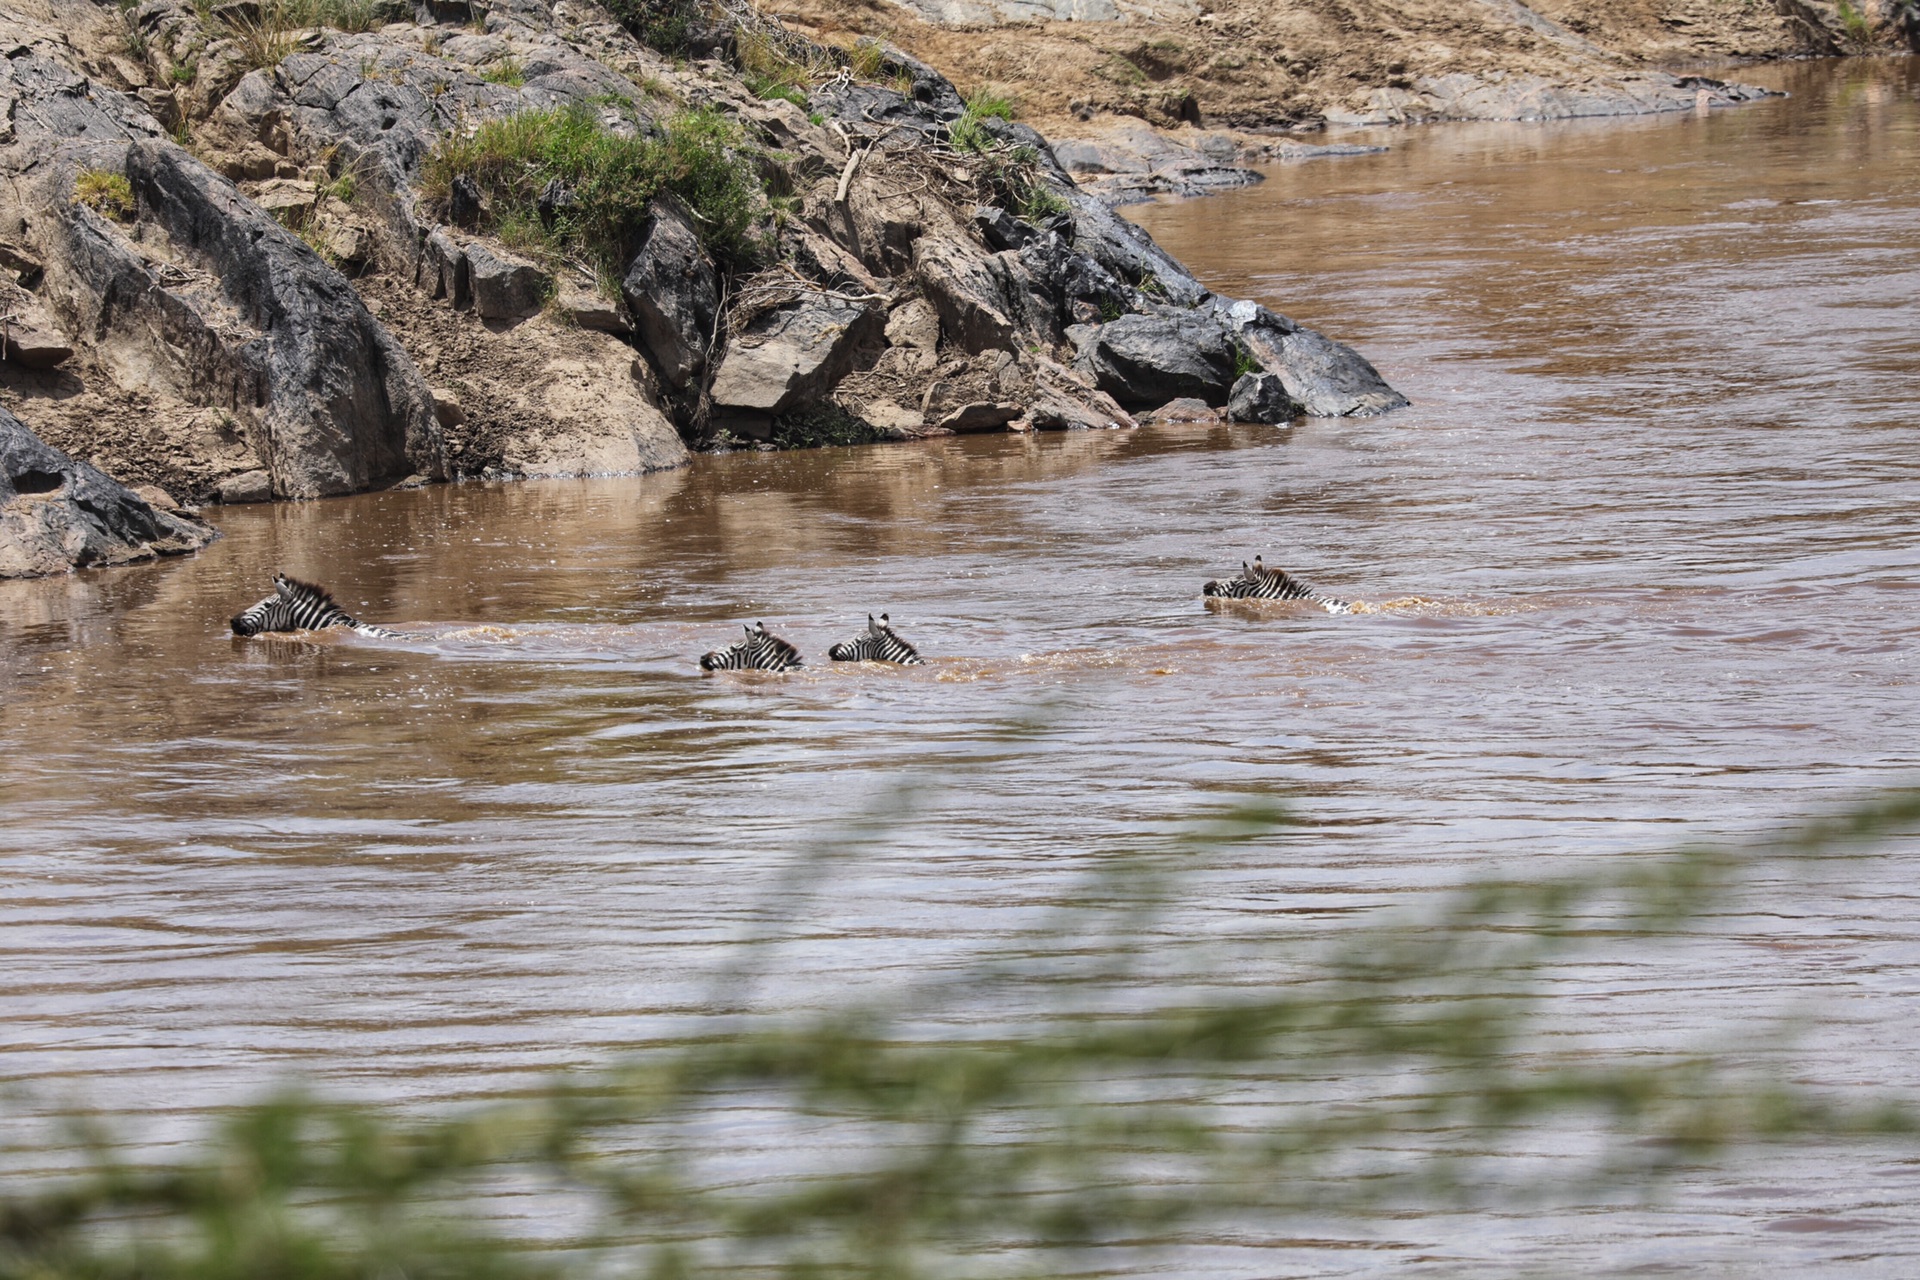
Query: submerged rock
[
  {"x": 1261, "y": 397},
  {"x": 57, "y": 513}
]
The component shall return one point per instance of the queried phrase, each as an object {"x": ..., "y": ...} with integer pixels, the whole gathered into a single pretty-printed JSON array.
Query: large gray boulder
[
  {"x": 790, "y": 356},
  {"x": 1327, "y": 379},
  {"x": 204, "y": 298},
  {"x": 673, "y": 293},
  {"x": 57, "y": 513},
  {"x": 1146, "y": 360}
]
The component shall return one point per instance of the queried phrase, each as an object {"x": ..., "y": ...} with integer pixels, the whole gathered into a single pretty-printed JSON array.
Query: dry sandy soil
[{"x": 1271, "y": 64}]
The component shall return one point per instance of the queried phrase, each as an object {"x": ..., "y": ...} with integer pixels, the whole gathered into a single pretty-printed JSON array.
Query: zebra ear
[
  {"x": 873, "y": 628},
  {"x": 749, "y": 630},
  {"x": 1259, "y": 569}
]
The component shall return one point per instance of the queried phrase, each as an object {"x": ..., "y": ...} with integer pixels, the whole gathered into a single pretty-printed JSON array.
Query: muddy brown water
[{"x": 1641, "y": 564}]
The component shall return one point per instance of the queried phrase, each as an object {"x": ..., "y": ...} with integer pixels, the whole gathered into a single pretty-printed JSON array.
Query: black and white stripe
[
  {"x": 879, "y": 644},
  {"x": 760, "y": 651},
  {"x": 299, "y": 606},
  {"x": 1257, "y": 582}
]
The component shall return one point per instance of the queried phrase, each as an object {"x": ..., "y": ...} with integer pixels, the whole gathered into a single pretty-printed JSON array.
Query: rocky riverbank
[{"x": 258, "y": 251}]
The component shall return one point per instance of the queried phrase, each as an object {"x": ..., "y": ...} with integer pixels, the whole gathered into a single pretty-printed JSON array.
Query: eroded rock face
[
  {"x": 342, "y": 407},
  {"x": 58, "y": 514}
]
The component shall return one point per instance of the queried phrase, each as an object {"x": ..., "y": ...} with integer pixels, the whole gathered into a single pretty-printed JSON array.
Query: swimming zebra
[
  {"x": 760, "y": 651},
  {"x": 879, "y": 644},
  {"x": 300, "y": 606},
  {"x": 1257, "y": 582}
]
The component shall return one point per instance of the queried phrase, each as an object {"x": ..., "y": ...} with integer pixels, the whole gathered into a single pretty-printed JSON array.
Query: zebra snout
[{"x": 240, "y": 625}]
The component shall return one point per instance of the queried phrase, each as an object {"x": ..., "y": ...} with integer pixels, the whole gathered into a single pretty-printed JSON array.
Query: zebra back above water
[
  {"x": 879, "y": 644},
  {"x": 760, "y": 651},
  {"x": 299, "y": 606},
  {"x": 1257, "y": 582}
]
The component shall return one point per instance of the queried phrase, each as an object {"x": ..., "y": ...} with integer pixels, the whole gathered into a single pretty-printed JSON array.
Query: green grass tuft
[
  {"x": 106, "y": 193},
  {"x": 699, "y": 156},
  {"x": 508, "y": 71}
]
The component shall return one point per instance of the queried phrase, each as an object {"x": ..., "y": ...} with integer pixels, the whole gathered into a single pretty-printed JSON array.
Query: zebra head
[
  {"x": 253, "y": 620},
  {"x": 879, "y": 644},
  {"x": 760, "y": 651}
]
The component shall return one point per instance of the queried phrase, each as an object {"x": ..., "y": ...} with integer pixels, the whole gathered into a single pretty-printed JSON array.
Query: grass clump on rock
[
  {"x": 1010, "y": 171},
  {"x": 558, "y": 182},
  {"x": 105, "y": 192}
]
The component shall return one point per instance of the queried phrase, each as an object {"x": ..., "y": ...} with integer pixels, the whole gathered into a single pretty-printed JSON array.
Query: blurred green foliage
[{"x": 1099, "y": 1115}]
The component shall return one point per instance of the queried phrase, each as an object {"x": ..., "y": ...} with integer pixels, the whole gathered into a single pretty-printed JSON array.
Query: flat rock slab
[
  {"x": 57, "y": 513},
  {"x": 792, "y": 354}
]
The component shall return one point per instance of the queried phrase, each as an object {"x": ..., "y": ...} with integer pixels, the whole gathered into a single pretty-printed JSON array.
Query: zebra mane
[
  {"x": 779, "y": 646},
  {"x": 295, "y": 589}
]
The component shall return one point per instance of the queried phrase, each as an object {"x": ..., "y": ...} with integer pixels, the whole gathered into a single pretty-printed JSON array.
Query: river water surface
[{"x": 1642, "y": 564}]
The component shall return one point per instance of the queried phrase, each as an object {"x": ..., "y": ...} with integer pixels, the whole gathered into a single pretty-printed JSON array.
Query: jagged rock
[
  {"x": 789, "y": 356},
  {"x": 343, "y": 408},
  {"x": 1066, "y": 400},
  {"x": 673, "y": 293},
  {"x": 505, "y": 287},
  {"x": 446, "y": 408},
  {"x": 1184, "y": 411},
  {"x": 982, "y": 415},
  {"x": 290, "y": 201},
  {"x": 348, "y": 247},
  {"x": 1129, "y": 254},
  {"x": 1145, "y": 360},
  {"x": 57, "y": 513},
  {"x": 444, "y": 272},
  {"x": 463, "y": 204},
  {"x": 27, "y": 334},
  {"x": 973, "y": 292},
  {"x": 1001, "y": 230},
  {"x": 1261, "y": 397}
]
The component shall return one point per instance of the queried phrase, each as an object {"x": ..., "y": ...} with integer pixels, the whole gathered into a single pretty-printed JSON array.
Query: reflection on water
[{"x": 1640, "y": 565}]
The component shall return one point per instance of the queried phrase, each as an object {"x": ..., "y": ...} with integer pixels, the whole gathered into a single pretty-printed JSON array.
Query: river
[{"x": 1641, "y": 565}]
